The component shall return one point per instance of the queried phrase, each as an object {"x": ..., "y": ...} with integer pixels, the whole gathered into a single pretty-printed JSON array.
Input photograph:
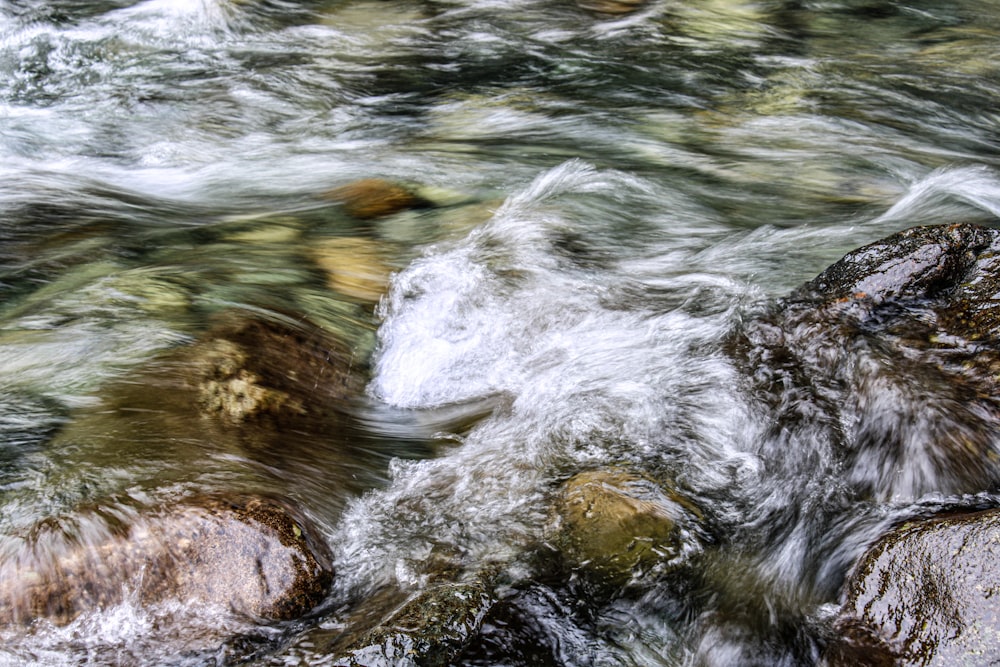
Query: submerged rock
[
  {"x": 252, "y": 555},
  {"x": 430, "y": 630},
  {"x": 614, "y": 525},
  {"x": 611, "y": 7},
  {"x": 259, "y": 401},
  {"x": 892, "y": 356},
  {"x": 926, "y": 594},
  {"x": 355, "y": 267},
  {"x": 250, "y": 368},
  {"x": 372, "y": 198}
]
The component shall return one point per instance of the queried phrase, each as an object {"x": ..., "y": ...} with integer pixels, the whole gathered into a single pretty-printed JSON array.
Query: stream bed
[{"x": 527, "y": 230}]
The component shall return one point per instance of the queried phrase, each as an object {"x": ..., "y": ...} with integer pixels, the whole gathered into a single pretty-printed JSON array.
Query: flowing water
[{"x": 613, "y": 193}]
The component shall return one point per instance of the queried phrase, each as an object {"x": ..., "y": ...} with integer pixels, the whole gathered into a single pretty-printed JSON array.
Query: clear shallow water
[{"x": 613, "y": 193}]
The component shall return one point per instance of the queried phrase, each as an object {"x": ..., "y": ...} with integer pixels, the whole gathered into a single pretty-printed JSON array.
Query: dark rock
[
  {"x": 891, "y": 355},
  {"x": 255, "y": 556},
  {"x": 429, "y": 630},
  {"x": 926, "y": 594},
  {"x": 246, "y": 368},
  {"x": 256, "y": 370}
]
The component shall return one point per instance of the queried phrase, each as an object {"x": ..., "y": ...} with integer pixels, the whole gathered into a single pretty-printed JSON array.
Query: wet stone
[
  {"x": 892, "y": 356},
  {"x": 252, "y": 555},
  {"x": 372, "y": 198},
  {"x": 248, "y": 368},
  {"x": 355, "y": 267},
  {"x": 614, "y": 525},
  {"x": 611, "y": 7},
  {"x": 430, "y": 630},
  {"x": 926, "y": 594}
]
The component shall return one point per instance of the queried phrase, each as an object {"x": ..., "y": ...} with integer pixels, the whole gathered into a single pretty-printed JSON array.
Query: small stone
[
  {"x": 355, "y": 267},
  {"x": 276, "y": 231},
  {"x": 372, "y": 198},
  {"x": 611, "y": 7}
]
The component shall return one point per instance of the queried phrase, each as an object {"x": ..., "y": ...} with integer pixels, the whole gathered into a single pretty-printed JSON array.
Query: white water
[{"x": 617, "y": 195}]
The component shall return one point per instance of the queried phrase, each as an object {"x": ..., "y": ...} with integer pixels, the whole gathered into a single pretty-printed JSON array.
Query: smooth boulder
[
  {"x": 615, "y": 525},
  {"x": 252, "y": 555},
  {"x": 927, "y": 593}
]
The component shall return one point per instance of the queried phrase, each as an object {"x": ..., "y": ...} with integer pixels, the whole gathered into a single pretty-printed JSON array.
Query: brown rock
[
  {"x": 926, "y": 594},
  {"x": 355, "y": 267},
  {"x": 372, "y": 198},
  {"x": 253, "y": 555},
  {"x": 251, "y": 368}
]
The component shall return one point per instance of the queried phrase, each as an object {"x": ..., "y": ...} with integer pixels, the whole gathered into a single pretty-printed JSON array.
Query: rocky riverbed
[{"x": 497, "y": 332}]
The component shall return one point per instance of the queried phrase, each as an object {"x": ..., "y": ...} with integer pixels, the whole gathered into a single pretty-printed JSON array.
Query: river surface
[{"x": 612, "y": 187}]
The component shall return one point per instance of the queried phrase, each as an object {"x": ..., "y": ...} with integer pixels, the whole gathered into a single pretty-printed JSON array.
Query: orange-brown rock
[{"x": 372, "y": 198}]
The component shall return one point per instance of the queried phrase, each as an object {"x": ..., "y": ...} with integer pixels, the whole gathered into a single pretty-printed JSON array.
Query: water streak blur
[{"x": 611, "y": 193}]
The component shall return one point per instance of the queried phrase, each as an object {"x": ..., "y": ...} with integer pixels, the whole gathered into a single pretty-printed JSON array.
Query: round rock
[
  {"x": 253, "y": 555},
  {"x": 926, "y": 594}
]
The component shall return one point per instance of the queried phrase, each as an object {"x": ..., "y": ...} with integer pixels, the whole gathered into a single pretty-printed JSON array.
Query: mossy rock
[
  {"x": 928, "y": 593},
  {"x": 614, "y": 525},
  {"x": 252, "y": 555},
  {"x": 249, "y": 368}
]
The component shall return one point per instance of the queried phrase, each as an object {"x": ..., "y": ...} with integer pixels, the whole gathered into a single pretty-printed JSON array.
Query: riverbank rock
[
  {"x": 892, "y": 357},
  {"x": 252, "y": 555},
  {"x": 613, "y": 525},
  {"x": 371, "y": 198},
  {"x": 926, "y": 594}
]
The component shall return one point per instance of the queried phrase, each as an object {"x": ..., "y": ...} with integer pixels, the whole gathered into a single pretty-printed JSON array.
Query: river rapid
[{"x": 611, "y": 189}]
